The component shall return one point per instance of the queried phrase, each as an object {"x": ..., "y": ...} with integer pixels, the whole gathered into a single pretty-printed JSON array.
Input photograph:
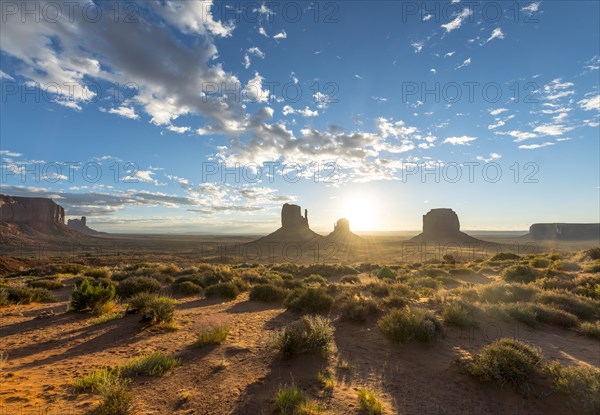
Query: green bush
[
  {"x": 460, "y": 314},
  {"x": 386, "y": 272},
  {"x": 500, "y": 293},
  {"x": 369, "y": 403},
  {"x": 594, "y": 268},
  {"x": 580, "y": 383},
  {"x": 315, "y": 279},
  {"x": 288, "y": 399},
  {"x": 26, "y": 295},
  {"x": 268, "y": 293},
  {"x": 311, "y": 299},
  {"x": 591, "y": 329},
  {"x": 356, "y": 307},
  {"x": 506, "y": 361},
  {"x": 155, "y": 364},
  {"x": 592, "y": 254},
  {"x": 186, "y": 288},
  {"x": 158, "y": 309},
  {"x": 520, "y": 273},
  {"x": 116, "y": 398},
  {"x": 309, "y": 334},
  {"x": 395, "y": 301},
  {"x": 216, "y": 334},
  {"x": 402, "y": 325},
  {"x": 135, "y": 285},
  {"x": 505, "y": 256},
  {"x": 566, "y": 266},
  {"x": 88, "y": 296},
  {"x": 539, "y": 263},
  {"x": 569, "y": 302},
  {"x": 102, "y": 272},
  {"x": 47, "y": 283},
  {"x": 224, "y": 289}
]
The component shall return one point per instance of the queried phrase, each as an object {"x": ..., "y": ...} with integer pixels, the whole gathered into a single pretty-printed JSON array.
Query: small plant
[
  {"x": 213, "y": 335},
  {"x": 520, "y": 273},
  {"x": 47, "y": 283},
  {"x": 309, "y": 334},
  {"x": 460, "y": 314},
  {"x": 135, "y": 285},
  {"x": 155, "y": 364},
  {"x": 268, "y": 293},
  {"x": 91, "y": 296},
  {"x": 103, "y": 318},
  {"x": 225, "y": 289},
  {"x": 350, "y": 279},
  {"x": 568, "y": 266},
  {"x": 102, "y": 272},
  {"x": 591, "y": 329},
  {"x": 402, "y": 325},
  {"x": 288, "y": 399},
  {"x": 505, "y": 256},
  {"x": 356, "y": 307},
  {"x": 94, "y": 381},
  {"x": 580, "y": 383},
  {"x": 369, "y": 403},
  {"x": 506, "y": 361},
  {"x": 26, "y": 295},
  {"x": 157, "y": 309},
  {"x": 386, "y": 273},
  {"x": 116, "y": 398},
  {"x": 325, "y": 378},
  {"x": 311, "y": 299},
  {"x": 569, "y": 302},
  {"x": 315, "y": 279},
  {"x": 186, "y": 288},
  {"x": 540, "y": 263}
]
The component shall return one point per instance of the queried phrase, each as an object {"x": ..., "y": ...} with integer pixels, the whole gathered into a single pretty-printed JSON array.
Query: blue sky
[{"x": 378, "y": 111}]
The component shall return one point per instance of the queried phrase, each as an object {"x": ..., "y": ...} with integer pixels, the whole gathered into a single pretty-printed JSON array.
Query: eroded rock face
[
  {"x": 442, "y": 225},
  {"x": 291, "y": 217},
  {"x": 565, "y": 231},
  {"x": 38, "y": 213}
]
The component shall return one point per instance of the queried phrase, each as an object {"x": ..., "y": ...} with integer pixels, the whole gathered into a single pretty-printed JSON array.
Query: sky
[{"x": 202, "y": 116}]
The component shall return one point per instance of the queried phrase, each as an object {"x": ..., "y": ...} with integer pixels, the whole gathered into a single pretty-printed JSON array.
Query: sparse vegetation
[
  {"x": 580, "y": 383},
  {"x": 309, "y": 334},
  {"x": 135, "y": 285},
  {"x": 460, "y": 314},
  {"x": 155, "y": 364},
  {"x": 369, "y": 403},
  {"x": 520, "y": 273},
  {"x": 311, "y": 300},
  {"x": 288, "y": 399},
  {"x": 25, "y": 295},
  {"x": 157, "y": 309},
  {"x": 227, "y": 290},
  {"x": 326, "y": 380},
  {"x": 215, "y": 334},
  {"x": 268, "y": 293},
  {"x": 90, "y": 296},
  {"x": 402, "y": 325}
]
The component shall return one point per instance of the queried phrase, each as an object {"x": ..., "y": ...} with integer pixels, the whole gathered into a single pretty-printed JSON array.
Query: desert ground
[{"x": 186, "y": 331}]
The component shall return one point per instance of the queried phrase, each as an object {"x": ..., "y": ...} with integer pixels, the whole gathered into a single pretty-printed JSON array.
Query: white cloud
[
  {"x": 294, "y": 78},
  {"x": 306, "y": 112},
  {"x": 532, "y": 8},
  {"x": 496, "y": 34},
  {"x": 433, "y": 71},
  {"x": 253, "y": 90},
  {"x": 590, "y": 104},
  {"x": 551, "y": 129},
  {"x": 379, "y": 99},
  {"x": 534, "y": 146},
  {"x": 4, "y": 75},
  {"x": 192, "y": 17},
  {"x": 10, "y": 153},
  {"x": 449, "y": 54},
  {"x": 179, "y": 130},
  {"x": 418, "y": 46},
  {"x": 518, "y": 135},
  {"x": 427, "y": 17},
  {"x": 281, "y": 35},
  {"x": 123, "y": 111},
  {"x": 462, "y": 140},
  {"x": 593, "y": 64},
  {"x": 491, "y": 157},
  {"x": 262, "y": 31},
  {"x": 458, "y": 21},
  {"x": 467, "y": 62},
  {"x": 497, "y": 111}
]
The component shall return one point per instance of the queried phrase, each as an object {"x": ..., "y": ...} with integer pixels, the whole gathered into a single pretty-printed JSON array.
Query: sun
[{"x": 361, "y": 211}]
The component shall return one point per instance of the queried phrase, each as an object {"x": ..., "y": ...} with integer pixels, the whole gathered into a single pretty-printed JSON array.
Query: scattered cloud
[
  {"x": 280, "y": 35},
  {"x": 126, "y": 112},
  {"x": 534, "y": 146},
  {"x": 467, "y": 62},
  {"x": 462, "y": 140},
  {"x": 457, "y": 22},
  {"x": 590, "y": 104},
  {"x": 496, "y": 34}
]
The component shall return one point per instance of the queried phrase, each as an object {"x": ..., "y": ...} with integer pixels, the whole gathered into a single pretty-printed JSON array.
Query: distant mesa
[
  {"x": 442, "y": 225},
  {"x": 294, "y": 227},
  {"x": 33, "y": 215},
  {"x": 565, "y": 231},
  {"x": 341, "y": 233},
  {"x": 80, "y": 226}
]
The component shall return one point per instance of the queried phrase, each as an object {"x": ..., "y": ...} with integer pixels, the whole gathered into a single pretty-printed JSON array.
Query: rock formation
[
  {"x": 294, "y": 227},
  {"x": 341, "y": 233},
  {"x": 33, "y": 213},
  {"x": 442, "y": 225},
  {"x": 565, "y": 231},
  {"x": 80, "y": 226}
]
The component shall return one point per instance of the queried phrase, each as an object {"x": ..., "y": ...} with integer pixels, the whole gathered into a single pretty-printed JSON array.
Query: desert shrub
[
  {"x": 356, "y": 307},
  {"x": 309, "y": 334},
  {"x": 169, "y": 269},
  {"x": 4, "y": 301},
  {"x": 591, "y": 329},
  {"x": 155, "y": 364},
  {"x": 379, "y": 290},
  {"x": 350, "y": 279},
  {"x": 505, "y": 256},
  {"x": 569, "y": 302},
  {"x": 26, "y": 295},
  {"x": 500, "y": 293},
  {"x": 157, "y": 309},
  {"x": 402, "y": 325},
  {"x": 568, "y": 266},
  {"x": 224, "y": 289},
  {"x": 102, "y": 272},
  {"x": 539, "y": 263},
  {"x": 88, "y": 296},
  {"x": 520, "y": 273},
  {"x": 555, "y": 316},
  {"x": 580, "y": 383},
  {"x": 594, "y": 268},
  {"x": 369, "y": 403},
  {"x": 432, "y": 273},
  {"x": 325, "y": 378},
  {"x": 588, "y": 286},
  {"x": 186, "y": 288},
  {"x": 268, "y": 293},
  {"x": 326, "y": 270},
  {"x": 135, "y": 285},
  {"x": 288, "y": 399},
  {"x": 292, "y": 284},
  {"x": 553, "y": 283},
  {"x": 94, "y": 381},
  {"x": 386, "y": 272},
  {"x": 213, "y": 335},
  {"x": 506, "y": 361},
  {"x": 424, "y": 282},
  {"x": 460, "y": 314},
  {"x": 47, "y": 283},
  {"x": 311, "y": 299},
  {"x": 315, "y": 279},
  {"x": 116, "y": 398},
  {"x": 394, "y": 301},
  {"x": 592, "y": 254}
]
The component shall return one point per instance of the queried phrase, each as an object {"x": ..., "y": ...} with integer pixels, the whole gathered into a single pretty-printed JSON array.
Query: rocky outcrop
[
  {"x": 442, "y": 225},
  {"x": 294, "y": 227},
  {"x": 565, "y": 231},
  {"x": 39, "y": 214},
  {"x": 80, "y": 226},
  {"x": 342, "y": 235}
]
